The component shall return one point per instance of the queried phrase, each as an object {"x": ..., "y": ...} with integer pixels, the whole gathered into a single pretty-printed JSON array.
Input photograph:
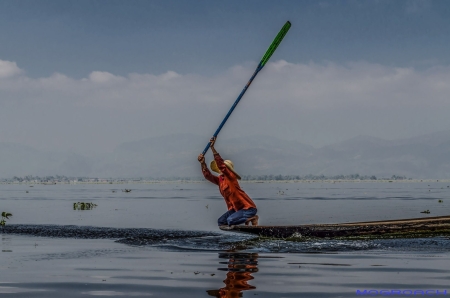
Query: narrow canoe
[{"x": 412, "y": 227}]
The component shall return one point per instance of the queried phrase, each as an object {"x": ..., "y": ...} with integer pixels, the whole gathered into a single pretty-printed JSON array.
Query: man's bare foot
[{"x": 253, "y": 220}]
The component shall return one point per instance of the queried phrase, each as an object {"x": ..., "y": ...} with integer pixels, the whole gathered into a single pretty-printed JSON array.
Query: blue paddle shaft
[
  {"x": 260, "y": 66},
  {"x": 273, "y": 46}
]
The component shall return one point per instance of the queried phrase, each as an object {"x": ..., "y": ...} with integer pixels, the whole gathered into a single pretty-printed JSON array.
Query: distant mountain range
[{"x": 426, "y": 156}]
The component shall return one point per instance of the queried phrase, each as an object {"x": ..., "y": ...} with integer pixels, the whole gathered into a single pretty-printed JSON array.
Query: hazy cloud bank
[{"x": 312, "y": 103}]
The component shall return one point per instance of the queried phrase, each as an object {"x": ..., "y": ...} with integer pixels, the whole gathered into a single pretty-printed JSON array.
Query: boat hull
[{"x": 413, "y": 227}]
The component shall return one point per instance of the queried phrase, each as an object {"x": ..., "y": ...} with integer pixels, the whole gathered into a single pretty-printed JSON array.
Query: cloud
[
  {"x": 308, "y": 85},
  {"x": 104, "y": 77},
  {"x": 358, "y": 83},
  {"x": 9, "y": 69},
  {"x": 285, "y": 99}
]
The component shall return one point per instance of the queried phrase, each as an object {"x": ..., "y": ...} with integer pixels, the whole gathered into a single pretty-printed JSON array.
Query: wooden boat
[{"x": 413, "y": 227}]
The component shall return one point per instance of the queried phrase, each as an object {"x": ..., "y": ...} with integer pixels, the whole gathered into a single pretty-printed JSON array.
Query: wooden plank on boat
[{"x": 413, "y": 227}]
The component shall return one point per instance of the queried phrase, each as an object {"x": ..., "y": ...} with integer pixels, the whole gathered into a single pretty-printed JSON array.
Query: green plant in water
[
  {"x": 5, "y": 215},
  {"x": 83, "y": 206}
]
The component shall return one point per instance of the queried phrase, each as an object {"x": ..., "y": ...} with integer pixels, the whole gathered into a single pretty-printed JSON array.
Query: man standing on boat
[{"x": 241, "y": 209}]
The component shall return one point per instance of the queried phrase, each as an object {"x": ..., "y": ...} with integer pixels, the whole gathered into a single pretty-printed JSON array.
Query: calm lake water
[{"x": 161, "y": 240}]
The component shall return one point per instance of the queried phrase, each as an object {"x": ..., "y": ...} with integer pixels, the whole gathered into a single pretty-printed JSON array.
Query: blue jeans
[{"x": 234, "y": 218}]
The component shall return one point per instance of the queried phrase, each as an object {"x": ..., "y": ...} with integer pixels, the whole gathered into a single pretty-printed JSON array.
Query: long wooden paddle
[{"x": 261, "y": 64}]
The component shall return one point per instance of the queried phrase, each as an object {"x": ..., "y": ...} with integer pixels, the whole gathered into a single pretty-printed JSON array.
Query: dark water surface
[{"x": 161, "y": 240}]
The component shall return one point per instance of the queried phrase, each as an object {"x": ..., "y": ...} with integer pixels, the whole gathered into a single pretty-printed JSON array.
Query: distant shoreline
[{"x": 331, "y": 181}]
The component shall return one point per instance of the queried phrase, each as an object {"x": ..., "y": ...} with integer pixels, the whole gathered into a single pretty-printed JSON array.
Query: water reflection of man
[{"x": 240, "y": 268}]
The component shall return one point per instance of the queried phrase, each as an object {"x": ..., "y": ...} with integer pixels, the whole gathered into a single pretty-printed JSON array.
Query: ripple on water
[{"x": 180, "y": 240}]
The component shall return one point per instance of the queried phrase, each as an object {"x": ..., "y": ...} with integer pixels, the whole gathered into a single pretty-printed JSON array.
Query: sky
[{"x": 86, "y": 76}]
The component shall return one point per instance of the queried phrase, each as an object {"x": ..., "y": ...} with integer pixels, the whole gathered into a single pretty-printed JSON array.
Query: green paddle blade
[{"x": 275, "y": 43}]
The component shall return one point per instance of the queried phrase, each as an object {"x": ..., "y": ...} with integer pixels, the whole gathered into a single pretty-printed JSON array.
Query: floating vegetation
[
  {"x": 5, "y": 215},
  {"x": 440, "y": 201},
  {"x": 83, "y": 206},
  {"x": 426, "y": 211}
]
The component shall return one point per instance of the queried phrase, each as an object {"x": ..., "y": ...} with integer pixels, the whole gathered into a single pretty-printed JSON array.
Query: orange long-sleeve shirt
[{"x": 234, "y": 196}]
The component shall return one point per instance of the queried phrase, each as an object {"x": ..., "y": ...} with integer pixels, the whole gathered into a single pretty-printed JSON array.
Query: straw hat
[{"x": 229, "y": 165}]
